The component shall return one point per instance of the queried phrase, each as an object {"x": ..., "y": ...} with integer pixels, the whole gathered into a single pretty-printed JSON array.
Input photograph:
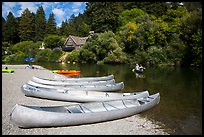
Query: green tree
[
  {"x": 132, "y": 15},
  {"x": 102, "y": 47},
  {"x": 53, "y": 41},
  {"x": 5, "y": 49},
  {"x": 40, "y": 24},
  {"x": 104, "y": 15},
  {"x": 63, "y": 29},
  {"x": 21, "y": 46},
  {"x": 3, "y": 29},
  {"x": 11, "y": 29},
  {"x": 56, "y": 54},
  {"x": 27, "y": 26},
  {"x": 73, "y": 56},
  {"x": 51, "y": 25},
  {"x": 43, "y": 55}
]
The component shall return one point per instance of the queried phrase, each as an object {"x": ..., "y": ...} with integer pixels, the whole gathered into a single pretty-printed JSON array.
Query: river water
[{"x": 180, "y": 107}]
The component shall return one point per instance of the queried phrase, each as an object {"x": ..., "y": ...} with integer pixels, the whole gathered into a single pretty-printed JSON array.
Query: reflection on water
[{"x": 180, "y": 107}]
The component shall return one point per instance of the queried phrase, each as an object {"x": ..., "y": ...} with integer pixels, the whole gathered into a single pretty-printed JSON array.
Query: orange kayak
[
  {"x": 70, "y": 75},
  {"x": 66, "y": 71}
]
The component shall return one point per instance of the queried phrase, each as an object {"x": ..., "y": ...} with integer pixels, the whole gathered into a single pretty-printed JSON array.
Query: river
[{"x": 180, "y": 107}]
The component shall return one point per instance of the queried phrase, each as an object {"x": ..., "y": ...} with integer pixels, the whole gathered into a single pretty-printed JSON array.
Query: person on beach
[{"x": 30, "y": 66}]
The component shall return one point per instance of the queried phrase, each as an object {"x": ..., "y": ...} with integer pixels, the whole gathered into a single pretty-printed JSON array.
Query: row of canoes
[{"x": 96, "y": 102}]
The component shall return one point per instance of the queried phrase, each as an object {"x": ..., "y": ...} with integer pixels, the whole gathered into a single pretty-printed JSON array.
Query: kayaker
[
  {"x": 141, "y": 67},
  {"x": 137, "y": 67}
]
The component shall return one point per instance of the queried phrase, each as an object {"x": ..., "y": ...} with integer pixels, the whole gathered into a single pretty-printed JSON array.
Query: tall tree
[
  {"x": 40, "y": 24},
  {"x": 104, "y": 15},
  {"x": 11, "y": 29},
  {"x": 3, "y": 28},
  {"x": 51, "y": 25},
  {"x": 27, "y": 26}
]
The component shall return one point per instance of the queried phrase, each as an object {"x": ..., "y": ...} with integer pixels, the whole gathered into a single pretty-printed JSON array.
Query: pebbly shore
[{"x": 11, "y": 95}]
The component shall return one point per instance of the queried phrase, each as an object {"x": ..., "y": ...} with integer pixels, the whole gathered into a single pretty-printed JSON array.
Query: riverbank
[{"x": 11, "y": 95}]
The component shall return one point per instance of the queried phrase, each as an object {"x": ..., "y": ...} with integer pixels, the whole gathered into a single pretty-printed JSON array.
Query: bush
[
  {"x": 21, "y": 46},
  {"x": 56, "y": 54},
  {"x": 5, "y": 49},
  {"x": 156, "y": 55},
  {"x": 115, "y": 56},
  {"x": 73, "y": 56},
  {"x": 44, "y": 55},
  {"x": 53, "y": 41},
  {"x": 102, "y": 48},
  {"x": 9, "y": 58},
  {"x": 87, "y": 56}
]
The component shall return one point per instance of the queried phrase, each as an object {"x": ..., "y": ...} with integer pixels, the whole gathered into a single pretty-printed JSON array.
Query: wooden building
[{"x": 73, "y": 42}]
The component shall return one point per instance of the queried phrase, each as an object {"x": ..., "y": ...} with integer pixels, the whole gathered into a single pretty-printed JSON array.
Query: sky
[{"x": 61, "y": 10}]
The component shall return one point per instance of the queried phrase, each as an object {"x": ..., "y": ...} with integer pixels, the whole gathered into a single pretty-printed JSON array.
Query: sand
[{"x": 11, "y": 95}]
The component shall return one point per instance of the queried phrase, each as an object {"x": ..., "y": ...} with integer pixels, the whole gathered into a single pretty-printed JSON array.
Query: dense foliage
[
  {"x": 102, "y": 48},
  {"x": 125, "y": 32}
]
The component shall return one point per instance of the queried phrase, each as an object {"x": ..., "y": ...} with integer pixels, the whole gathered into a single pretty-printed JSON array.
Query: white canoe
[
  {"x": 78, "y": 96},
  {"x": 108, "y": 87},
  {"x": 76, "y": 114},
  {"x": 70, "y": 83},
  {"x": 102, "y": 78}
]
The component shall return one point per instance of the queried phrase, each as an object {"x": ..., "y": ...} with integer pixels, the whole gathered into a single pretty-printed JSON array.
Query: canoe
[
  {"x": 27, "y": 116},
  {"x": 66, "y": 71},
  {"x": 102, "y": 78},
  {"x": 70, "y": 83},
  {"x": 7, "y": 70},
  {"x": 78, "y": 95},
  {"x": 108, "y": 87}
]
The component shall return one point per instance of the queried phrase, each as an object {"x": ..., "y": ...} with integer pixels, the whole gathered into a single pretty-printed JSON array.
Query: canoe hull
[
  {"x": 70, "y": 83},
  {"x": 26, "y": 117},
  {"x": 108, "y": 87},
  {"x": 79, "y": 96},
  {"x": 102, "y": 78}
]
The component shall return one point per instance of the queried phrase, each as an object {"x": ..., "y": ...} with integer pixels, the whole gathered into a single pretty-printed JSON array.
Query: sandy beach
[{"x": 11, "y": 95}]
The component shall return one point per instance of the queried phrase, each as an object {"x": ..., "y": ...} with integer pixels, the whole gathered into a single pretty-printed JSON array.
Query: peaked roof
[{"x": 77, "y": 40}]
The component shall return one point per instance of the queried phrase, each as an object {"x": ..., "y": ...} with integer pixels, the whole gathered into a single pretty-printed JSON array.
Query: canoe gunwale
[
  {"x": 102, "y": 78},
  {"x": 70, "y": 83},
  {"x": 79, "y": 96},
  {"x": 108, "y": 87}
]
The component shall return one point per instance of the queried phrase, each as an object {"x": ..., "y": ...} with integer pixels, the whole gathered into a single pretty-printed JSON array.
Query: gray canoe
[
  {"x": 70, "y": 83},
  {"x": 102, "y": 78},
  {"x": 108, "y": 87},
  {"x": 78, "y": 96},
  {"x": 82, "y": 113}
]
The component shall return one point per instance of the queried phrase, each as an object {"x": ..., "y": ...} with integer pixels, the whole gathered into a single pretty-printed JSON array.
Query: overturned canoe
[
  {"x": 85, "y": 78},
  {"x": 107, "y": 87},
  {"x": 78, "y": 95},
  {"x": 77, "y": 114},
  {"x": 70, "y": 83}
]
